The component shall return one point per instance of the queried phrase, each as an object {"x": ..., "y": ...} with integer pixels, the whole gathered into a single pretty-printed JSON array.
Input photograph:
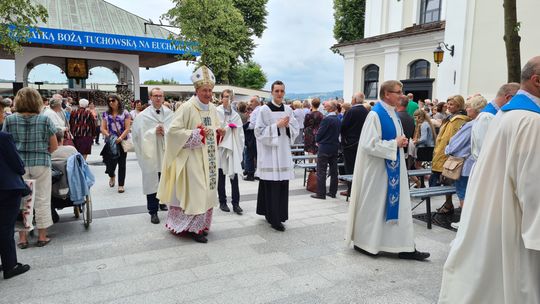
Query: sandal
[
  {"x": 43, "y": 243},
  {"x": 111, "y": 182},
  {"x": 445, "y": 209},
  {"x": 22, "y": 245}
]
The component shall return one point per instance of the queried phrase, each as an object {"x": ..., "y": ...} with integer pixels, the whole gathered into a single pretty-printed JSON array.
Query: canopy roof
[
  {"x": 97, "y": 16},
  {"x": 96, "y": 25}
]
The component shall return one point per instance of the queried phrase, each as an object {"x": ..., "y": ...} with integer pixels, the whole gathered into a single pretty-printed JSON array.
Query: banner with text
[{"x": 110, "y": 41}]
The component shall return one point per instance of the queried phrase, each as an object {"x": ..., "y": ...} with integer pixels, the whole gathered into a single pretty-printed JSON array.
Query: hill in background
[{"x": 322, "y": 95}]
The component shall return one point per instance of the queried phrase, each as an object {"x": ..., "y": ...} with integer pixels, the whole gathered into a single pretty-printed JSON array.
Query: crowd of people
[{"x": 187, "y": 152}]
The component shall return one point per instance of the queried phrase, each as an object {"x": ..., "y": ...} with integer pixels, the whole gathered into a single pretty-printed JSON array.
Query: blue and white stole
[
  {"x": 521, "y": 102},
  {"x": 490, "y": 108},
  {"x": 392, "y": 167}
]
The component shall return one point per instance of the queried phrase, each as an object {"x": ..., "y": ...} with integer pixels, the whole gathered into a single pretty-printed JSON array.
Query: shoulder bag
[{"x": 452, "y": 167}]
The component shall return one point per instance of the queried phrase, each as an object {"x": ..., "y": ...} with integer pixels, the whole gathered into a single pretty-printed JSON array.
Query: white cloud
[{"x": 295, "y": 47}]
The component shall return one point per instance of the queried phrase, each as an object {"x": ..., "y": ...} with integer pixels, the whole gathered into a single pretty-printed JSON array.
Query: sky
[{"x": 294, "y": 48}]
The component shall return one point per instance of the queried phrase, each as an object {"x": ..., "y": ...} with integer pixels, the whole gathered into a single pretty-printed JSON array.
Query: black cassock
[{"x": 273, "y": 196}]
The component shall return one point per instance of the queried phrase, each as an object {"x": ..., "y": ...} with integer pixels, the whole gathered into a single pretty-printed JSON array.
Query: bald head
[
  {"x": 530, "y": 76},
  {"x": 358, "y": 98},
  {"x": 254, "y": 102}
]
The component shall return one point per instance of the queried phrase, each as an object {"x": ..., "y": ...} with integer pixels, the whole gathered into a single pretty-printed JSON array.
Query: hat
[
  {"x": 203, "y": 76},
  {"x": 83, "y": 103}
]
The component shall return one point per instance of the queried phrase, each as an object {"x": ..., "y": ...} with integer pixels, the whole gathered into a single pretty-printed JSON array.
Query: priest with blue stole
[
  {"x": 495, "y": 257},
  {"x": 190, "y": 166},
  {"x": 380, "y": 218}
]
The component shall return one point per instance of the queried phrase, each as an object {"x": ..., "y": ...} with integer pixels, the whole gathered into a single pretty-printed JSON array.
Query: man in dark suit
[
  {"x": 328, "y": 142},
  {"x": 351, "y": 127},
  {"x": 407, "y": 122},
  {"x": 12, "y": 187}
]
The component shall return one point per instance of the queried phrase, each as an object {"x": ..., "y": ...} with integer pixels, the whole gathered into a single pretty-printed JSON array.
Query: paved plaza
[{"x": 123, "y": 258}]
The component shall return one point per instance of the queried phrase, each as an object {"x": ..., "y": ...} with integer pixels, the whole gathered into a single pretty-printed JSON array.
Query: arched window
[
  {"x": 371, "y": 81},
  {"x": 419, "y": 69}
]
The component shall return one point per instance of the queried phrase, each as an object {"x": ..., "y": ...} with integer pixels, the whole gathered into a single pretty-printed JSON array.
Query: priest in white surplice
[
  {"x": 148, "y": 131},
  {"x": 495, "y": 257},
  {"x": 380, "y": 217},
  {"x": 230, "y": 152},
  {"x": 189, "y": 174},
  {"x": 275, "y": 130}
]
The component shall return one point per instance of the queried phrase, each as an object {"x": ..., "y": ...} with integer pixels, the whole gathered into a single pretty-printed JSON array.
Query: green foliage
[
  {"x": 349, "y": 20},
  {"x": 249, "y": 75},
  {"x": 218, "y": 27},
  {"x": 22, "y": 15},
  {"x": 162, "y": 81},
  {"x": 254, "y": 12}
]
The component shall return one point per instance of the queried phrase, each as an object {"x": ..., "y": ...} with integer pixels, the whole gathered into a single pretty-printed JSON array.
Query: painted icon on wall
[{"x": 76, "y": 68}]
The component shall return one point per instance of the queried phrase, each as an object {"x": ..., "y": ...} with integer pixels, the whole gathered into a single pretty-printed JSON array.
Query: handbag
[
  {"x": 127, "y": 145},
  {"x": 26, "y": 212},
  {"x": 311, "y": 184},
  {"x": 452, "y": 167}
]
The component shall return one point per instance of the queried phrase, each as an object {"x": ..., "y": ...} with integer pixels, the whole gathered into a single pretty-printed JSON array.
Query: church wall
[
  {"x": 452, "y": 76},
  {"x": 488, "y": 70},
  {"x": 362, "y": 62}
]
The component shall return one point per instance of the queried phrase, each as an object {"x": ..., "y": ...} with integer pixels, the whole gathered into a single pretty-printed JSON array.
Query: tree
[
  {"x": 17, "y": 18},
  {"x": 512, "y": 40},
  {"x": 162, "y": 81},
  {"x": 254, "y": 12},
  {"x": 349, "y": 20},
  {"x": 249, "y": 75},
  {"x": 223, "y": 35}
]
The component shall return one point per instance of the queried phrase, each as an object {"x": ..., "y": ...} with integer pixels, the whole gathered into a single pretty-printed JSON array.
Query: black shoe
[
  {"x": 278, "y": 227},
  {"x": 416, "y": 255},
  {"x": 317, "y": 196},
  {"x": 364, "y": 252},
  {"x": 163, "y": 207},
  {"x": 249, "y": 178},
  {"x": 237, "y": 209},
  {"x": 224, "y": 208},
  {"x": 1, "y": 268},
  {"x": 331, "y": 195},
  {"x": 17, "y": 270},
  {"x": 199, "y": 238},
  {"x": 154, "y": 219}
]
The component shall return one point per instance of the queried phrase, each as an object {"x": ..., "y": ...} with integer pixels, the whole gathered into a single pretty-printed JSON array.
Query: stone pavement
[{"x": 123, "y": 258}]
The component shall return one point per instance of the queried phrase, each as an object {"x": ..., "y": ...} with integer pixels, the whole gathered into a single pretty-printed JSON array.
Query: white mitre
[{"x": 203, "y": 76}]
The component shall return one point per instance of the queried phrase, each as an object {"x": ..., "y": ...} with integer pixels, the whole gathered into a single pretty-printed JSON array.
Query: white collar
[
  {"x": 203, "y": 106},
  {"x": 387, "y": 106}
]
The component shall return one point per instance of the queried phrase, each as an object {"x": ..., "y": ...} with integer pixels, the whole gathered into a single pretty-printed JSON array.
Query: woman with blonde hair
[
  {"x": 35, "y": 139},
  {"x": 450, "y": 126},
  {"x": 299, "y": 115},
  {"x": 460, "y": 146}
]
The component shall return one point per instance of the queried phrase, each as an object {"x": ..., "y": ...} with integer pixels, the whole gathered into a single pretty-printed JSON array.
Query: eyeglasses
[
  {"x": 157, "y": 96},
  {"x": 112, "y": 100},
  {"x": 396, "y": 92}
]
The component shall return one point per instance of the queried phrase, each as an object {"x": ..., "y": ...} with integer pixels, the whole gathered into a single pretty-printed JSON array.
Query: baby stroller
[{"x": 71, "y": 183}]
